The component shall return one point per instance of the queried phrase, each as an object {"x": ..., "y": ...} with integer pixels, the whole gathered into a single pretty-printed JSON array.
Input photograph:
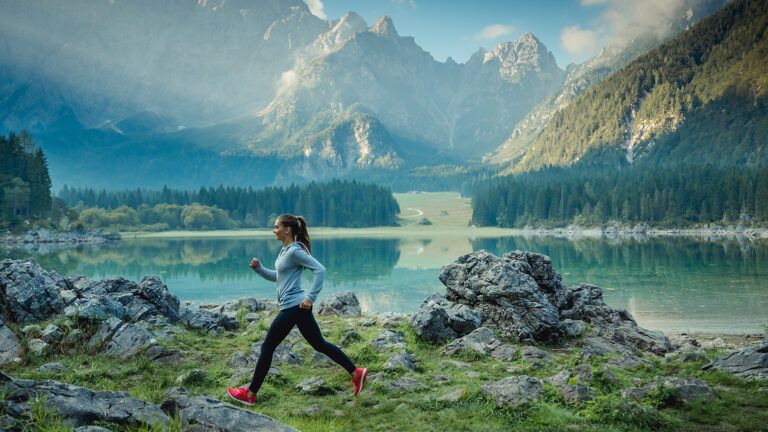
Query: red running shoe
[
  {"x": 358, "y": 379},
  {"x": 241, "y": 395}
]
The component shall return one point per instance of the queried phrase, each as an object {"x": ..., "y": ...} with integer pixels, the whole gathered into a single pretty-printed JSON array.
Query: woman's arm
[
  {"x": 264, "y": 272},
  {"x": 302, "y": 258}
]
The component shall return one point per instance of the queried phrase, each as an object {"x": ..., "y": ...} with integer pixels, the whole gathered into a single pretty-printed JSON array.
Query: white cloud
[
  {"x": 579, "y": 42},
  {"x": 621, "y": 21},
  {"x": 494, "y": 31},
  {"x": 626, "y": 19},
  {"x": 411, "y": 3},
  {"x": 316, "y": 7}
]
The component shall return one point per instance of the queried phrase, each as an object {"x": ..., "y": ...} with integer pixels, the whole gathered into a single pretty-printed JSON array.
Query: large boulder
[
  {"x": 514, "y": 390},
  {"x": 343, "y": 303},
  {"x": 9, "y": 344},
  {"x": 750, "y": 362},
  {"x": 79, "y": 406},
  {"x": 207, "y": 414},
  {"x": 29, "y": 293},
  {"x": 504, "y": 293}
]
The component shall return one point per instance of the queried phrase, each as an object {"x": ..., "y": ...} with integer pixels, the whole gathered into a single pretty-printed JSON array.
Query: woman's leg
[
  {"x": 278, "y": 330},
  {"x": 311, "y": 332}
]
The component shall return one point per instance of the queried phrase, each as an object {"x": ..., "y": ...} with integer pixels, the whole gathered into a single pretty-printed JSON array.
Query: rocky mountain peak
[
  {"x": 384, "y": 27},
  {"x": 341, "y": 31}
]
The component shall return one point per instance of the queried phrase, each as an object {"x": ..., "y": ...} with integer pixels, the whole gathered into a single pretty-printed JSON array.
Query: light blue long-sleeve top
[{"x": 291, "y": 260}]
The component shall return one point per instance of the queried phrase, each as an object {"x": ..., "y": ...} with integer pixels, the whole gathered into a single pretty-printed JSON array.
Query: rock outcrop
[
  {"x": 750, "y": 362},
  {"x": 343, "y": 303},
  {"x": 522, "y": 296},
  {"x": 81, "y": 407}
]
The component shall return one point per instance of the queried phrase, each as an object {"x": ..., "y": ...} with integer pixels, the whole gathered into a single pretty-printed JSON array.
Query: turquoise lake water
[{"x": 670, "y": 284}]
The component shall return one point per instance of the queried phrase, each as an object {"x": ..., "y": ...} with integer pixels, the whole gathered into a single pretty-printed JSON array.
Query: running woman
[{"x": 295, "y": 306}]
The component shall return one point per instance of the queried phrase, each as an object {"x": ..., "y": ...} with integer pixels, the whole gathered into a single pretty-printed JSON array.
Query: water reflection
[{"x": 667, "y": 283}]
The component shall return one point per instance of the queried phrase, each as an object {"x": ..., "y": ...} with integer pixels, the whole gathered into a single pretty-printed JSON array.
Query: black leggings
[{"x": 281, "y": 326}]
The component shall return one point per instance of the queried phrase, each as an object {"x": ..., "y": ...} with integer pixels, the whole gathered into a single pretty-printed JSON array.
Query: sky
[{"x": 573, "y": 30}]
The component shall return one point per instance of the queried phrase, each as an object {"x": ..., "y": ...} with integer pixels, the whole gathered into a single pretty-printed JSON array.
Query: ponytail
[
  {"x": 303, "y": 234},
  {"x": 298, "y": 228}
]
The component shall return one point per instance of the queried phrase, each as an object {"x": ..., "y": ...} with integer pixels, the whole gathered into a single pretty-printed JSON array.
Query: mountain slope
[
  {"x": 580, "y": 77},
  {"x": 670, "y": 100}
]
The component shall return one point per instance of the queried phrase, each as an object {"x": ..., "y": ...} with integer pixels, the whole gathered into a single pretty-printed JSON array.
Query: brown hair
[{"x": 298, "y": 227}]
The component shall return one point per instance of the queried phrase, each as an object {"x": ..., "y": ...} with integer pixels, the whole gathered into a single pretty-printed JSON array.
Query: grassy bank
[{"x": 740, "y": 405}]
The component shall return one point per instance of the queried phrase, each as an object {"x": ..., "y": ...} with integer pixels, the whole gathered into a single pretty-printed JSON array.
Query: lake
[{"x": 669, "y": 284}]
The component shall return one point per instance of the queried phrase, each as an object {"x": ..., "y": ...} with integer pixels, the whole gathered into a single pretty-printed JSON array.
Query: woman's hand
[
  {"x": 306, "y": 304},
  {"x": 255, "y": 263}
]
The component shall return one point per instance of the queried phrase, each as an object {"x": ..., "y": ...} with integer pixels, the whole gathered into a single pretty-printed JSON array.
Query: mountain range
[{"x": 123, "y": 93}]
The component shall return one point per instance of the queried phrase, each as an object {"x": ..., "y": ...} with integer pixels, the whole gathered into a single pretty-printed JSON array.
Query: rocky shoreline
[
  {"x": 644, "y": 231},
  {"x": 507, "y": 334},
  {"x": 44, "y": 236}
]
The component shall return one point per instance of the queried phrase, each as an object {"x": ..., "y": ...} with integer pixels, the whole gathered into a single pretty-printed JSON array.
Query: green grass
[{"x": 740, "y": 405}]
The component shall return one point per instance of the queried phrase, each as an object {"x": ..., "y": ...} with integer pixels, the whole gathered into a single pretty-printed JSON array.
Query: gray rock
[
  {"x": 343, "y": 303},
  {"x": 514, "y": 390},
  {"x": 38, "y": 347},
  {"x": 750, "y": 362},
  {"x": 156, "y": 292},
  {"x": 212, "y": 322},
  {"x": 80, "y": 406},
  {"x": 315, "y": 385},
  {"x": 238, "y": 360},
  {"x": 164, "y": 356},
  {"x": 322, "y": 359},
  {"x": 98, "y": 308},
  {"x": 208, "y": 414},
  {"x": 503, "y": 292},
  {"x": 28, "y": 293},
  {"x": 682, "y": 391},
  {"x": 536, "y": 356},
  {"x": 51, "y": 368},
  {"x": 432, "y": 325},
  {"x": 481, "y": 341},
  {"x": 404, "y": 384},
  {"x": 129, "y": 340},
  {"x": 252, "y": 316},
  {"x": 9, "y": 344},
  {"x": 52, "y": 334},
  {"x": 577, "y": 394},
  {"x": 194, "y": 377},
  {"x": 68, "y": 296},
  {"x": 389, "y": 340},
  {"x": 573, "y": 328},
  {"x": 401, "y": 361}
]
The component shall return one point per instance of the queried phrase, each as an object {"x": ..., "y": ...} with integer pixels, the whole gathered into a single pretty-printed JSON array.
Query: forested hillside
[
  {"x": 25, "y": 186},
  {"x": 687, "y": 195},
  {"x": 334, "y": 203},
  {"x": 700, "y": 98}
]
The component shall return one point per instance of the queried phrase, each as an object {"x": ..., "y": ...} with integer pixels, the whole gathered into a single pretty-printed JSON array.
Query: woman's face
[{"x": 281, "y": 232}]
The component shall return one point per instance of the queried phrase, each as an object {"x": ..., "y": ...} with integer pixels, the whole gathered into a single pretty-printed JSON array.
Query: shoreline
[{"x": 713, "y": 233}]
